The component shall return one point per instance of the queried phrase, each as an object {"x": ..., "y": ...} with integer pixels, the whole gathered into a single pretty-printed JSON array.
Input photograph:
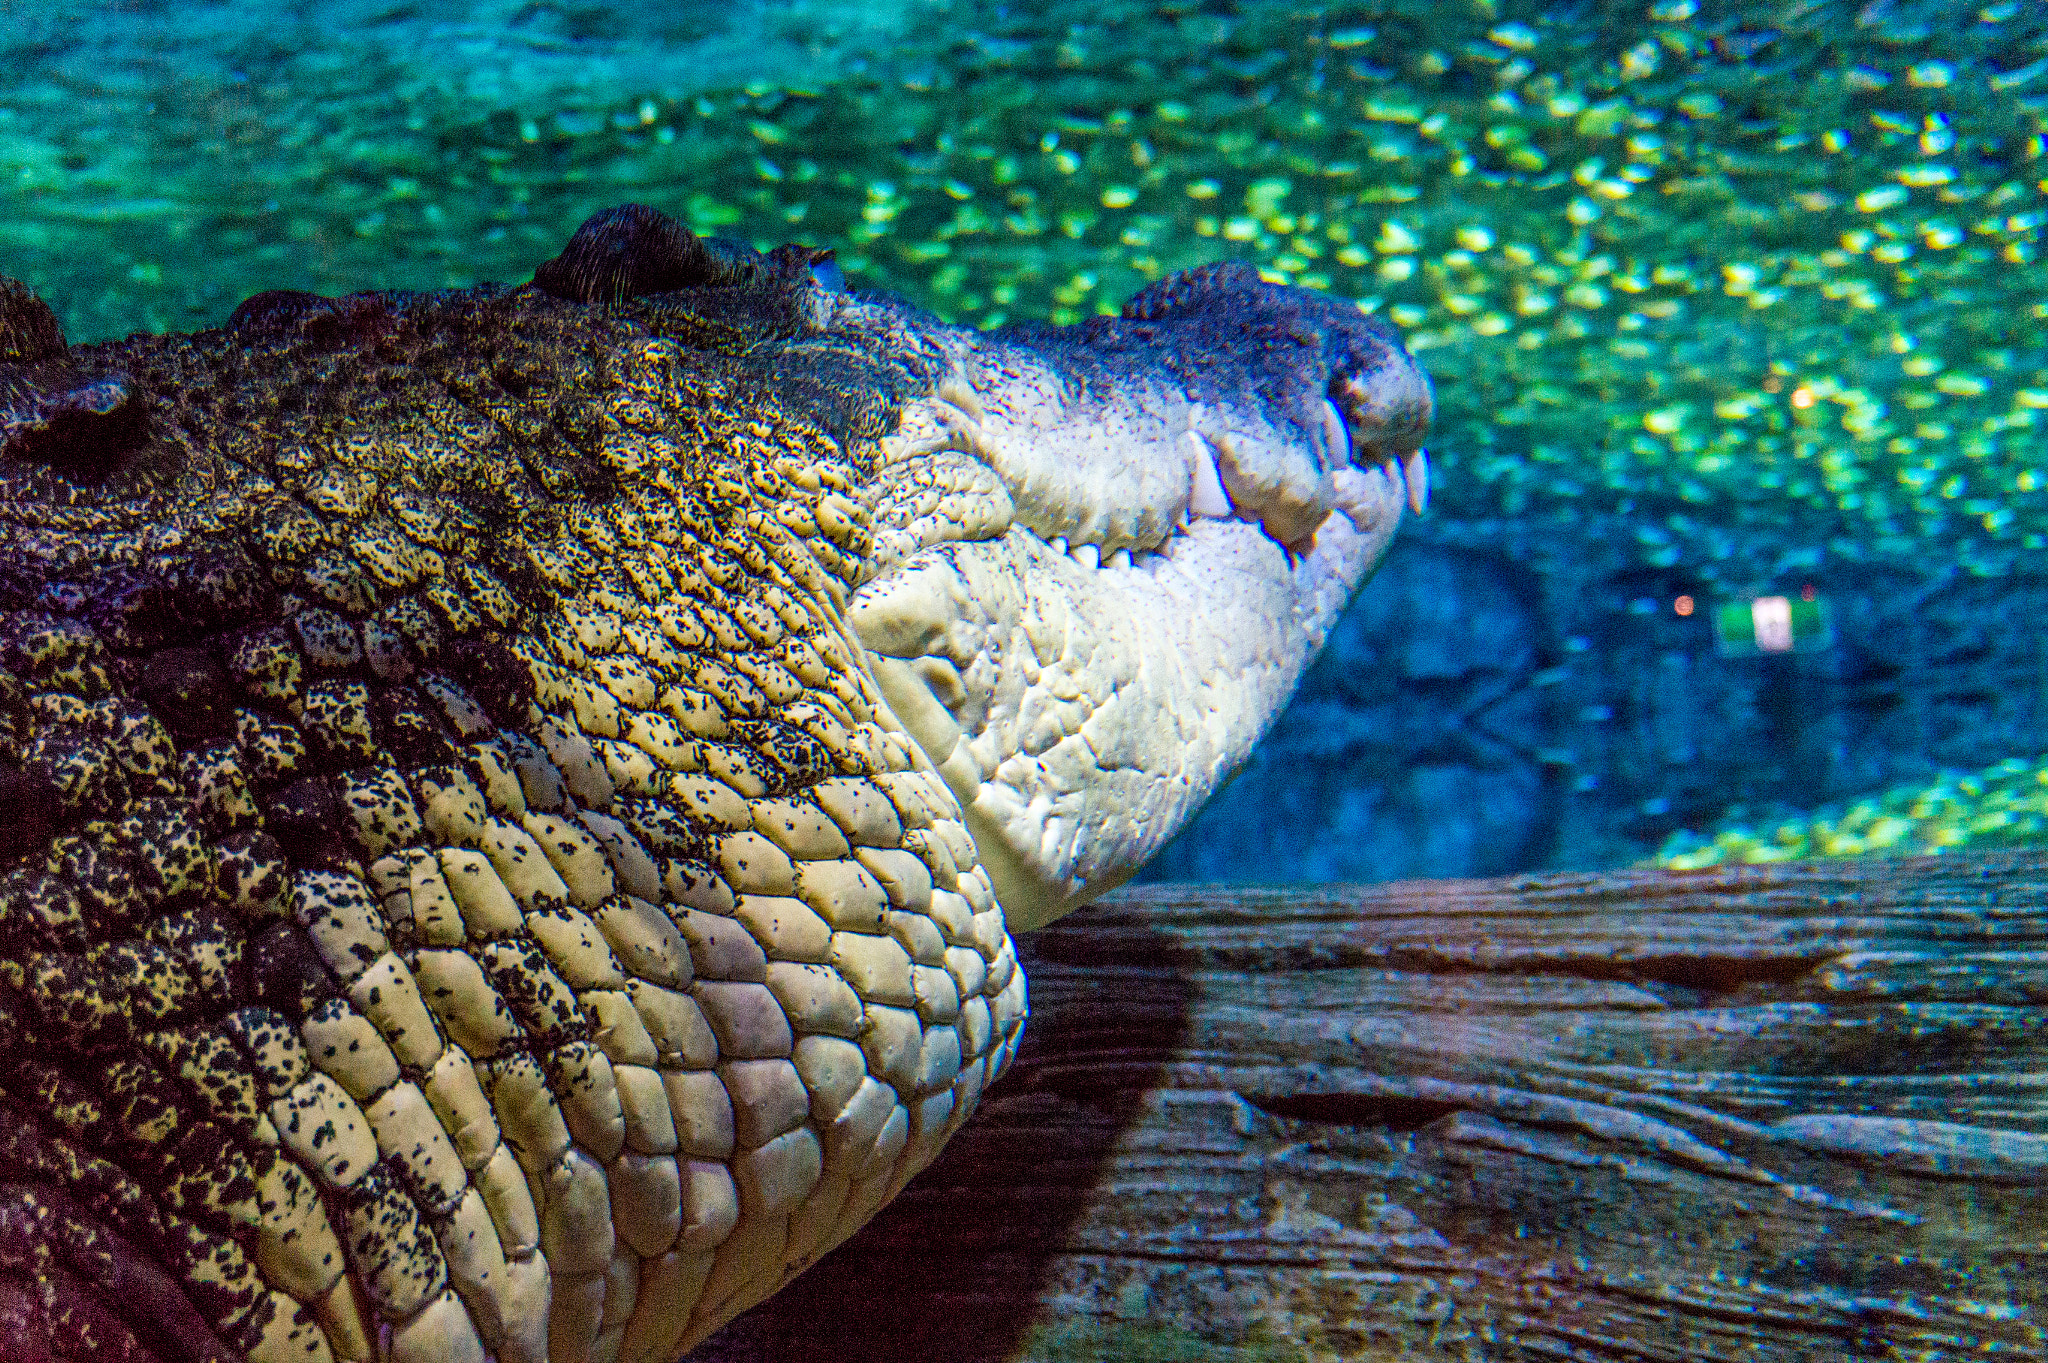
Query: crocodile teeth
[
  {"x": 1410, "y": 471},
  {"x": 1206, "y": 496},
  {"x": 1087, "y": 555},
  {"x": 1415, "y": 467},
  {"x": 1120, "y": 559},
  {"x": 1336, "y": 436}
]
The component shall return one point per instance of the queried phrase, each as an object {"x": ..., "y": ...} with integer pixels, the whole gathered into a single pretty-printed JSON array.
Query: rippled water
[{"x": 1723, "y": 303}]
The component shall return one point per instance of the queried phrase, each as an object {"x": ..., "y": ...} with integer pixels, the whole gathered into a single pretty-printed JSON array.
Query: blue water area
[{"x": 1723, "y": 304}]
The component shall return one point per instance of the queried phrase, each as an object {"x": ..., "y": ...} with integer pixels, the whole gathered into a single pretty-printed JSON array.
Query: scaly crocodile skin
[{"x": 462, "y": 893}]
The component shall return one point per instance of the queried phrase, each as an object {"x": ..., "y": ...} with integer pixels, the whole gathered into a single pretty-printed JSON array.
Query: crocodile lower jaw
[{"x": 1081, "y": 709}]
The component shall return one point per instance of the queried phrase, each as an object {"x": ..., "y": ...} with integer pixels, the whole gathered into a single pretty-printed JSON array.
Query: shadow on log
[{"x": 1759, "y": 1113}]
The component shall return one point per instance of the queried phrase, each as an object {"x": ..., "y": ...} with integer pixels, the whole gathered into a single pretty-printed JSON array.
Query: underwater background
[{"x": 1734, "y": 312}]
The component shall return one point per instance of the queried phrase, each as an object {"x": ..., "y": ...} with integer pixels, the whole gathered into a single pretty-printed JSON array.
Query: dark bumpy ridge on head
[
  {"x": 1232, "y": 296},
  {"x": 628, "y": 251},
  {"x": 632, "y": 251},
  {"x": 327, "y": 322},
  {"x": 1233, "y": 290},
  {"x": 28, "y": 329}
]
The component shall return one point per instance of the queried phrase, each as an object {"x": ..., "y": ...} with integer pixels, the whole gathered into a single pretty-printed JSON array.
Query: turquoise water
[{"x": 1722, "y": 303}]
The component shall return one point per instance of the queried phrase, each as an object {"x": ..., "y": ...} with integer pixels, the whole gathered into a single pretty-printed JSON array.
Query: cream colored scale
[{"x": 774, "y": 1051}]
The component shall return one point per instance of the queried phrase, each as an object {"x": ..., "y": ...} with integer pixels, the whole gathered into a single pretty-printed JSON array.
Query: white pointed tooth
[
  {"x": 1087, "y": 555},
  {"x": 1336, "y": 436},
  {"x": 1416, "y": 467},
  {"x": 1058, "y": 543},
  {"x": 1120, "y": 559},
  {"x": 1206, "y": 496}
]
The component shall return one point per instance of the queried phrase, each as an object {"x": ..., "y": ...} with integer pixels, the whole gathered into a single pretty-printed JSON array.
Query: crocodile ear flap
[
  {"x": 628, "y": 251},
  {"x": 29, "y": 332}
]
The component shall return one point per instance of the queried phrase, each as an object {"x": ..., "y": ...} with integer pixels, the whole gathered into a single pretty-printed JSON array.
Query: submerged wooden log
[{"x": 1760, "y": 1113}]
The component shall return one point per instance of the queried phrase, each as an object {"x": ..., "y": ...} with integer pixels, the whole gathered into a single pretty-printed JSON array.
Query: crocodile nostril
[
  {"x": 828, "y": 274},
  {"x": 1389, "y": 405}
]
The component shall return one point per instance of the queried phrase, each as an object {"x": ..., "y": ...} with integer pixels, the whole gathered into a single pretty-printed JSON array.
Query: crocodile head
[
  {"x": 1103, "y": 556},
  {"x": 516, "y": 797}
]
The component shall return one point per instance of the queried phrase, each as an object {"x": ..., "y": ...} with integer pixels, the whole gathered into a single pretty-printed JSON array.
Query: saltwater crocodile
[{"x": 515, "y": 797}]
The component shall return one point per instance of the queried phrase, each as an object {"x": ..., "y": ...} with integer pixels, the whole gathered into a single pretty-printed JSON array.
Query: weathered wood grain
[{"x": 1767, "y": 1113}]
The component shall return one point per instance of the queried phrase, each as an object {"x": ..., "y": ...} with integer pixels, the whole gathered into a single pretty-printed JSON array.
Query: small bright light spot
[
  {"x": 1771, "y": 617},
  {"x": 1682, "y": 606},
  {"x": 1802, "y": 398}
]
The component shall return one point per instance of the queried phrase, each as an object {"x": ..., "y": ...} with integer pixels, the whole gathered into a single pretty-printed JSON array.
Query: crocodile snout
[{"x": 1148, "y": 526}]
